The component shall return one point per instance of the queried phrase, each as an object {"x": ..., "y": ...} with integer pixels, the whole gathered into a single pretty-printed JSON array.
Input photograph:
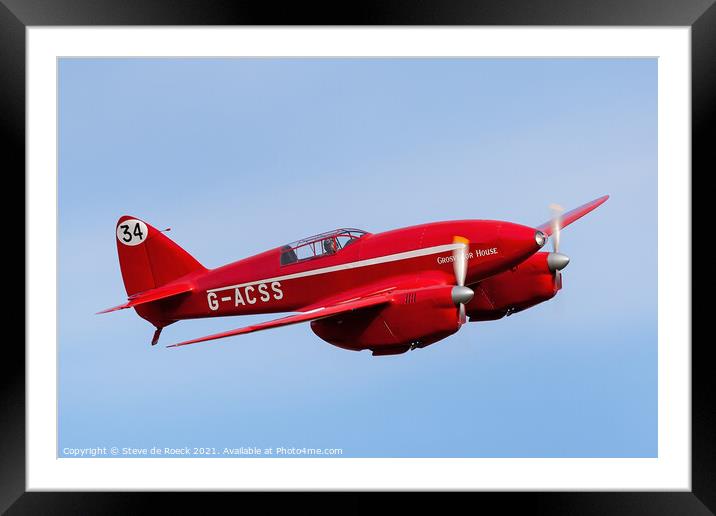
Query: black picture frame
[{"x": 16, "y": 15}]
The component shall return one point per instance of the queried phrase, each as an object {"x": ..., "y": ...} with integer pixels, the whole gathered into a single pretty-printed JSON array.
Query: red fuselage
[{"x": 409, "y": 256}]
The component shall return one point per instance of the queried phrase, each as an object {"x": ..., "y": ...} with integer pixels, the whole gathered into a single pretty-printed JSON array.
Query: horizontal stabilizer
[
  {"x": 154, "y": 294},
  {"x": 567, "y": 218},
  {"x": 310, "y": 315}
]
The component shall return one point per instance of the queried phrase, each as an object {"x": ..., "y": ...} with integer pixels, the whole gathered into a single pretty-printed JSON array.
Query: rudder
[{"x": 149, "y": 259}]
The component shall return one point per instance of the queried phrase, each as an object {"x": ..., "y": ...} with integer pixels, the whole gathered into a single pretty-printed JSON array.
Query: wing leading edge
[{"x": 577, "y": 213}]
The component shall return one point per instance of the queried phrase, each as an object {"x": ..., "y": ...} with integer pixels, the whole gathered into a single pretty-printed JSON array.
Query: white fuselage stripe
[{"x": 352, "y": 265}]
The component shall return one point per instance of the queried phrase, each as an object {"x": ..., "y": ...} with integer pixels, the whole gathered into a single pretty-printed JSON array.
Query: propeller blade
[
  {"x": 460, "y": 293},
  {"x": 557, "y": 211},
  {"x": 460, "y": 260},
  {"x": 556, "y": 226}
]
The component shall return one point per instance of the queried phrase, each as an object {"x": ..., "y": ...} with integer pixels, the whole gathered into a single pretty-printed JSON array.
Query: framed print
[{"x": 444, "y": 135}]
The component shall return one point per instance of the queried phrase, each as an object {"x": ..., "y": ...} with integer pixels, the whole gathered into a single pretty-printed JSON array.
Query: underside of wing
[{"x": 308, "y": 315}]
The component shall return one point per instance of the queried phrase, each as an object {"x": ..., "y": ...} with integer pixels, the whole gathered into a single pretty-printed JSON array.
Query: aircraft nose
[
  {"x": 557, "y": 261},
  {"x": 517, "y": 239}
]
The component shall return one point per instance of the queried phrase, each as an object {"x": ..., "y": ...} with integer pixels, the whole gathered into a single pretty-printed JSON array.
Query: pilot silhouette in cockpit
[{"x": 329, "y": 246}]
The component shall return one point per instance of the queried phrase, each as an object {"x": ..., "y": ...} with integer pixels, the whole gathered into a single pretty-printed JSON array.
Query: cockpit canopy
[{"x": 324, "y": 244}]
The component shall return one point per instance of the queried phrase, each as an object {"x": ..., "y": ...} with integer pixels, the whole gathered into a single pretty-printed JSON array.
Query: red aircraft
[{"x": 388, "y": 292}]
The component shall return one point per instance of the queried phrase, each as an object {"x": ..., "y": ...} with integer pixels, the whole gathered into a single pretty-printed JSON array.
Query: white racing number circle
[{"x": 132, "y": 232}]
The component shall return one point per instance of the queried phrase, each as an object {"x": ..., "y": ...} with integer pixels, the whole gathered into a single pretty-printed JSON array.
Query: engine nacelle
[
  {"x": 526, "y": 285},
  {"x": 413, "y": 319}
]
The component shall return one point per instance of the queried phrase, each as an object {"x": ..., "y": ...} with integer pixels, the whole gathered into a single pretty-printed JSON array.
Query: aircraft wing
[
  {"x": 308, "y": 315},
  {"x": 154, "y": 294},
  {"x": 571, "y": 216}
]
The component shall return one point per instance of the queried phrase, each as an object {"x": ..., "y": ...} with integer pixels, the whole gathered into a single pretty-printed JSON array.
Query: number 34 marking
[{"x": 132, "y": 232}]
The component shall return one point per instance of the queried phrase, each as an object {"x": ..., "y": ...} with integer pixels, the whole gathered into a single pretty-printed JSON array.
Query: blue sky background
[{"x": 240, "y": 155}]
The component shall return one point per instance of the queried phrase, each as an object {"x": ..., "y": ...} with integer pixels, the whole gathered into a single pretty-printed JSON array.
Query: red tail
[{"x": 147, "y": 258}]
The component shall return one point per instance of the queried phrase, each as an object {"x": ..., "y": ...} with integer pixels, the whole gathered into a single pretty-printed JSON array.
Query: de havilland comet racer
[{"x": 388, "y": 292}]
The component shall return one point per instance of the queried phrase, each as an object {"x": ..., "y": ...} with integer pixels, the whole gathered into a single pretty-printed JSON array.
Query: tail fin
[{"x": 147, "y": 258}]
